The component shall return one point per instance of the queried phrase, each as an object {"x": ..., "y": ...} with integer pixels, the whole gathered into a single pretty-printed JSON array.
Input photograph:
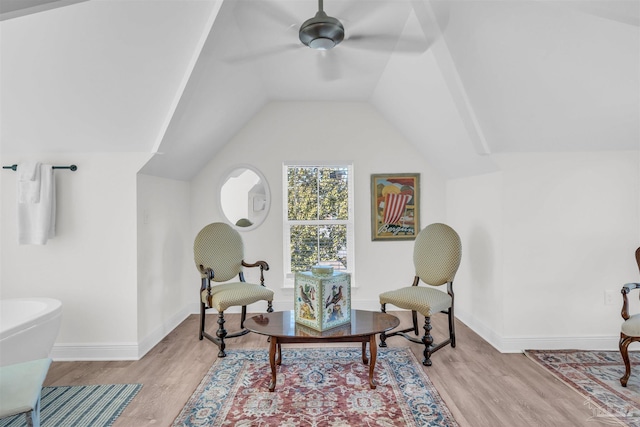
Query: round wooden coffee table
[{"x": 282, "y": 328}]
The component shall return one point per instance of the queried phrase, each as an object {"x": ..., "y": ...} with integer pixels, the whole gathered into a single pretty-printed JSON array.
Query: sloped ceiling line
[
  {"x": 187, "y": 75},
  {"x": 427, "y": 18},
  {"x": 219, "y": 98},
  {"x": 10, "y": 9}
]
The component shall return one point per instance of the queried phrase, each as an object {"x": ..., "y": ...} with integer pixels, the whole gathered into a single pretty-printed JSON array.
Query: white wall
[
  {"x": 565, "y": 226},
  {"x": 91, "y": 263},
  {"x": 122, "y": 261},
  {"x": 165, "y": 258},
  {"x": 542, "y": 239},
  {"x": 475, "y": 210},
  {"x": 322, "y": 131}
]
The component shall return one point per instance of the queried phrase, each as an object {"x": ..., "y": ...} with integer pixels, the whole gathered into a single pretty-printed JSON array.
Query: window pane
[
  {"x": 304, "y": 247},
  {"x": 332, "y": 241},
  {"x": 323, "y": 244},
  {"x": 303, "y": 193},
  {"x": 333, "y": 193}
]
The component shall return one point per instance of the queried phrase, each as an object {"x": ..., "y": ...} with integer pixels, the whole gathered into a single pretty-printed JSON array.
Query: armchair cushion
[
  {"x": 418, "y": 298},
  {"x": 236, "y": 294},
  {"x": 631, "y": 326}
]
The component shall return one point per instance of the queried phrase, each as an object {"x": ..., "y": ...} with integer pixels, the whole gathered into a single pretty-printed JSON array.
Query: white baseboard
[
  {"x": 505, "y": 344},
  {"x": 94, "y": 351},
  {"x": 501, "y": 343},
  {"x": 162, "y": 331},
  {"x": 118, "y": 351},
  {"x": 134, "y": 351},
  {"x": 519, "y": 344}
]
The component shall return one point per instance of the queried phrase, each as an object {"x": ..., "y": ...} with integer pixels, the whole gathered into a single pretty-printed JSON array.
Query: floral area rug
[
  {"x": 316, "y": 387},
  {"x": 596, "y": 376}
]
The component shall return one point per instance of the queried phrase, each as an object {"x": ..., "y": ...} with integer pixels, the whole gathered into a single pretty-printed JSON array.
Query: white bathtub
[{"x": 28, "y": 328}]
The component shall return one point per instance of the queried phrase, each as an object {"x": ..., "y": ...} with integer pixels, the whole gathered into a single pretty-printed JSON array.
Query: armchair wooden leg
[
  {"x": 221, "y": 333},
  {"x": 243, "y": 317},
  {"x": 383, "y": 336},
  {"x": 414, "y": 316},
  {"x": 202, "y": 312},
  {"x": 452, "y": 328},
  {"x": 269, "y": 306},
  {"x": 427, "y": 340},
  {"x": 624, "y": 351}
]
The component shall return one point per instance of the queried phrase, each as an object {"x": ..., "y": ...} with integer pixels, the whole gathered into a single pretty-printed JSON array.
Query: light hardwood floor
[{"x": 481, "y": 386}]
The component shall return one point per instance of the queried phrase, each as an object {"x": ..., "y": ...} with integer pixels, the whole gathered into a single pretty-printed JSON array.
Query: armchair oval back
[
  {"x": 219, "y": 247},
  {"x": 436, "y": 254}
]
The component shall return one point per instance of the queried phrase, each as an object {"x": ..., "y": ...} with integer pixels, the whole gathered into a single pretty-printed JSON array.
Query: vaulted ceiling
[{"x": 461, "y": 79}]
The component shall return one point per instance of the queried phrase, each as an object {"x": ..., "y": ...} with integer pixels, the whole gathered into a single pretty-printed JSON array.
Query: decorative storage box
[{"x": 322, "y": 298}]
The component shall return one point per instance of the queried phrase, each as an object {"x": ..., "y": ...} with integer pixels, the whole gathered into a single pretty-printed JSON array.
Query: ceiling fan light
[{"x": 321, "y": 43}]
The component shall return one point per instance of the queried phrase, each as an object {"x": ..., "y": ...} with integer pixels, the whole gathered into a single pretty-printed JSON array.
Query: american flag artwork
[{"x": 394, "y": 207}]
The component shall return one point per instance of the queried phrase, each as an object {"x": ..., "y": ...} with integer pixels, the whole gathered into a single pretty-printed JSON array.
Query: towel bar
[{"x": 73, "y": 168}]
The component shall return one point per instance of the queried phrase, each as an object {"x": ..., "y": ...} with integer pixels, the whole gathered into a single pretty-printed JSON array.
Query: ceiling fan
[
  {"x": 321, "y": 32},
  {"x": 374, "y": 26}
]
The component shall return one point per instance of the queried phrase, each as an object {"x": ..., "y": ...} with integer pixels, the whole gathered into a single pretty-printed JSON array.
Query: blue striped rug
[{"x": 80, "y": 406}]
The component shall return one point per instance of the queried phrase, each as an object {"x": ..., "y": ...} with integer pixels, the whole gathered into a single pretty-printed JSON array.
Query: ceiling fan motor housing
[{"x": 321, "y": 32}]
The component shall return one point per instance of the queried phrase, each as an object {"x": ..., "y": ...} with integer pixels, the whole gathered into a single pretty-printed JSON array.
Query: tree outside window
[{"x": 318, "y": 217}]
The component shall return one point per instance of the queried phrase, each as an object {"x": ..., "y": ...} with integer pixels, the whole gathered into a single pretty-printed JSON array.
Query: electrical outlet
[{"x": 610, "y": 297}]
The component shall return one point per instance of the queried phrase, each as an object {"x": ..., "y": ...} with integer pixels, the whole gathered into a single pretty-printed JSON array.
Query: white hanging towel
[
  {"x": 28, "y": 182},
  {"x": 37, "y": 221}
]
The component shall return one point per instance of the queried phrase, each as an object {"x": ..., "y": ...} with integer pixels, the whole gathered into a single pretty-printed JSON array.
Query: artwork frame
[{"x": 400, "y": 193}]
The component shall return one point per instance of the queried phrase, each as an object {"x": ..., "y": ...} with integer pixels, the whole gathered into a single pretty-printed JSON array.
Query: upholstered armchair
[
  {"x": 630, "y": 330},
  {"x": 436, "y": 257},
  {"x": 219, "y": 256}
]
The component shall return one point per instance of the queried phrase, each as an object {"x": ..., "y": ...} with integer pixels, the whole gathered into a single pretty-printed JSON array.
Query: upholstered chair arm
[
  {"x": 263, "y": 267},
  {"x": 625, "y": 302},
  {"x": 206, "y": 272},
  {"x": 207, "y": 275}
]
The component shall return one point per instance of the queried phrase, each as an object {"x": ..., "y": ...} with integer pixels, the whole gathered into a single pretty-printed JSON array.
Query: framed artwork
[{"x": 395, "y": 206}]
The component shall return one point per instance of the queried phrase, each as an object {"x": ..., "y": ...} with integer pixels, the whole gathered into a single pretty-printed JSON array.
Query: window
[{"x": 318, "y": 217}]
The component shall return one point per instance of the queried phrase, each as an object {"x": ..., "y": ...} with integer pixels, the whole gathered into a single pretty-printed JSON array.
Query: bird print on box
[
  {"x": 307, "y": 295},
  {"x": 334, "y": 297},
  {"x": 333, "y": 306}
]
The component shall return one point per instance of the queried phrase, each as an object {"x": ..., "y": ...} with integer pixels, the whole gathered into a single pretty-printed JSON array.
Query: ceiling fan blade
[
  {"x": 433, "y": 18},
  {"x": 356, "y": 13},
  {"x": 441, "y": 13},
  {"x": 271, "y": 10},
  {"x": 387, "y": 43},
  {"x": 261, "y": 54}
]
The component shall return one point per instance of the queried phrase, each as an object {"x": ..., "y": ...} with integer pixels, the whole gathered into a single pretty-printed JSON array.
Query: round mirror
[{"x": 244, "y": 197}]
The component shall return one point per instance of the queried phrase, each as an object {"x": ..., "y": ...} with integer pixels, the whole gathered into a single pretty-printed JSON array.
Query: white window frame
[{"x": 286, "y": 235}]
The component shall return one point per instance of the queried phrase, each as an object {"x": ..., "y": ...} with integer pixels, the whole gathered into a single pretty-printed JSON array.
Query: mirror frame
[{"x": 225, "y": 177}]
